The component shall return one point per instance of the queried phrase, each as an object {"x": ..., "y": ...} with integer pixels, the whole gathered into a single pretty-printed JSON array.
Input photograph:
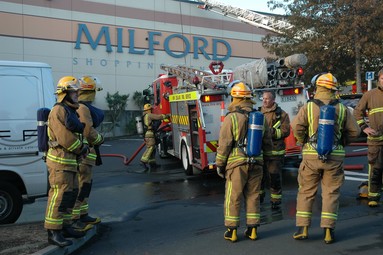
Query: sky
[{"x": 255, "y": 5}]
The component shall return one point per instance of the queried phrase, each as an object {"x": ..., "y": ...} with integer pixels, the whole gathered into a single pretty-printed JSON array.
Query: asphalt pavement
[{"x": 358, "y": 228}]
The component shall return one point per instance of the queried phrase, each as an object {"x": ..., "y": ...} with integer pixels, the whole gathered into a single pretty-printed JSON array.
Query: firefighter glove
[
  {"x": 221, "y": 171},
  {"x": 84, "y": 151}
]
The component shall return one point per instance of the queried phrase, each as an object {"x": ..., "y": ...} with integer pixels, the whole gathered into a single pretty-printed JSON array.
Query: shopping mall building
[{"x": 123, "y": 42}]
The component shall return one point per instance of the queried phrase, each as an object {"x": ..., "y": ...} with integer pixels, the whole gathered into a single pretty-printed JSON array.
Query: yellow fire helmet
[
  {"x": 327, "y": 81},
  {"x": 88, "y": 87},
  {"x": 241, "y": 90},
  {"x": 147, "y": 107},
  {"x": 89, "y": 83},
  {"x": 65, "y": 84}
]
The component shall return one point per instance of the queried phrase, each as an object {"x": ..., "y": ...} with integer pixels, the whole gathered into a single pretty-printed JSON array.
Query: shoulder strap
[
  {"x": 334, "y": 102},
  {"x": 317, "y": 102},
  {"x": 278, "y": 113}
]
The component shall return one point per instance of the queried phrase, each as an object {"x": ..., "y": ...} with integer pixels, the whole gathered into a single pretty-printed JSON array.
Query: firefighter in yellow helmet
[
  {"x": 316, "y": 169},
  {"x": 148, "y": 158},
  {"x": 372, "y": 101},
  {"x": 243, "y": 179},
  {"x": 92, "y": 117},
  {"x": 66, "y": 150}
]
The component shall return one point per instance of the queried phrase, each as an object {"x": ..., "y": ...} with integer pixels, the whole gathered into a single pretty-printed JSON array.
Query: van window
[{"x": 21, "y": 99}]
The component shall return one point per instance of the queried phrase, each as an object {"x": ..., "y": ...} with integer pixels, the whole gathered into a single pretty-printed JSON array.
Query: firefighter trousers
[
  {"x": 149, "y": 155},
  {"x": 85, "y": 185},
  {"x": 61, "y": 198},
  {"x": 242, "y": 181},
  {"x": 272, "y": 172},
  {"x": 375, "y": 169},
  {"x": 331, "y": 176}
]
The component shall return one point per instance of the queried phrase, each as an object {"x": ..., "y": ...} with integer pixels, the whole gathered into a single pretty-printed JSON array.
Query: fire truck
[{"x": 196, "y": 101}]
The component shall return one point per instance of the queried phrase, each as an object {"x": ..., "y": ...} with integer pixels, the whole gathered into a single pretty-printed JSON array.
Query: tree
[
  {"x": 116, "y": 104},
  {"x": 340, "y": 36}
]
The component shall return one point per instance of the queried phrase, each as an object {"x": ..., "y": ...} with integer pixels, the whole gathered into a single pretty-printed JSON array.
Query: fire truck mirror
[{"x": 166, "y": 96}]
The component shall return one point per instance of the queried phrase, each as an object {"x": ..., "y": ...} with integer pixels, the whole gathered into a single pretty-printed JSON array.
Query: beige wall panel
[{"x": 11, "y": 24}]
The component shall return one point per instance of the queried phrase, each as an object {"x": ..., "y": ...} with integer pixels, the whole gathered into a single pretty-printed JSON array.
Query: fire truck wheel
[{"x": 185, "y": 160}]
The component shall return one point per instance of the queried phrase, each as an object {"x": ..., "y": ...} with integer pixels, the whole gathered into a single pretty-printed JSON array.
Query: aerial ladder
[
  {"x": 275, "y": 24},
  {"x": 206, "y": 79}
]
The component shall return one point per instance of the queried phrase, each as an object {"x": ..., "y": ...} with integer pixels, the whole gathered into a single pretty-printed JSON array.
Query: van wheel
[
  {"x": 11, "y": 203},
  {"x": 185, "y": 160}
]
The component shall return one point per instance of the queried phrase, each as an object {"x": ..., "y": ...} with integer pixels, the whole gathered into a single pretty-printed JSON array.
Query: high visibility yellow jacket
[
  {"x": 232, "y": 131},
  {"x": 65, "y": 145},
  {"x": 90, "y": 135},
  {"x": 305, "y": 125},
  {"x": 279, "y": 123},
  {"x": 371, "y": 101}
]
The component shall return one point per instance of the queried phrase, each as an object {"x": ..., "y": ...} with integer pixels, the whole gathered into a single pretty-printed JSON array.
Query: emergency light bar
[{"x": 211, "y": 98}]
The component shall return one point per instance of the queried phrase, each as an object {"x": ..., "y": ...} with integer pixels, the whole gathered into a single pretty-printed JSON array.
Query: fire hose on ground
[
  {"x": 355, "y": 154},
  {"x": 127, "y": 160}
]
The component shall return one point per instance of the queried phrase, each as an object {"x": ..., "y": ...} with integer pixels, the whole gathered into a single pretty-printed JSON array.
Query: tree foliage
[
  {"x": 340, "y": 36},
  {"x": 116, "y": 104}
]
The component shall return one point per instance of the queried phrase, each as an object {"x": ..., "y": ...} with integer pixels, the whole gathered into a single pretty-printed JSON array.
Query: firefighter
[
  {"x": 324, "y": 169},
  {"x": 279, "y": 124},
  {"x": 372, "y": 101},
  {"x": 242, "y": 177},
  {"x": 148, "y": 158},
  {"x": 92, "y": 118},
  {"x": 66, "y": 150}
]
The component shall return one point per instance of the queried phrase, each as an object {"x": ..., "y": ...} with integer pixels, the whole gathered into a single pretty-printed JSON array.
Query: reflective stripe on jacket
[
  {"x": 305, "y": 124},
  {"x": 91, "y": 136},
  {"x": 232, "y": 131},
  {"x": 67, "y": 145},
  {"x": 371, "y": 101},
  {"x": 279, "y": 123}
]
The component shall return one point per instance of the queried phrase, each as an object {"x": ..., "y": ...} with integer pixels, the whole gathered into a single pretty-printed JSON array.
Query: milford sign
[{"x": 200, "y": 44}]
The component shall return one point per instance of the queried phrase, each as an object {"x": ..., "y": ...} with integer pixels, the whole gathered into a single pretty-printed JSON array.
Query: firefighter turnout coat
[
  {"x": 91, "y": 136},
  {"x": 279, "y": 122},
  {"x": 65, "y": 145}
]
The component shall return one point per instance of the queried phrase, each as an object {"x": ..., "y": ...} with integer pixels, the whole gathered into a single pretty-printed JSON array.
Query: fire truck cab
[{"x": 196, "y": 102}]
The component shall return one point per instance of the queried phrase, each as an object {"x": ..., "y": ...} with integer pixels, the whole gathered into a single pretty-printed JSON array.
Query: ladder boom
[{"x": 247, "y": 16}]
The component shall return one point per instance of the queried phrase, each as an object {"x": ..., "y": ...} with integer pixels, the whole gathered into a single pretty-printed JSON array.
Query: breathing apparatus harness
[
  {"x": 323, "y": 140},
  {"x": 250, "y": 144}
]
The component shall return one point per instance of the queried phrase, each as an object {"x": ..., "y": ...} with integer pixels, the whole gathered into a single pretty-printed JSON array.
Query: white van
[{"x": 24, "y": 88}]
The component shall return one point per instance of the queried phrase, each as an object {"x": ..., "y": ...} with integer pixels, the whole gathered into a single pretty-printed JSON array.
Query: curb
[{"x": 77, "y": 243}]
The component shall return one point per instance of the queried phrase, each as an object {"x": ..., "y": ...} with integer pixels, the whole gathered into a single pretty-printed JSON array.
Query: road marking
[
  {"x": 361, "y": 149},
  {"x": 353, "y": 173},
  {"x": 349, "y": 178}
]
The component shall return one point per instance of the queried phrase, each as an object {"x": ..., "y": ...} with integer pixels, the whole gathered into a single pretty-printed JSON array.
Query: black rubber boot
[
  {"x": 90, "y": 220},
  {"x": 329, "y": 236},
  {"x": 231, "y": 234},
  {"x": 302, "y": 233},
  {"x": 69, "y": 231},
  {"x": 78, "y": 225},
  {"x": 56, "y": 238},
  {"x": 251, "y": 232}
]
